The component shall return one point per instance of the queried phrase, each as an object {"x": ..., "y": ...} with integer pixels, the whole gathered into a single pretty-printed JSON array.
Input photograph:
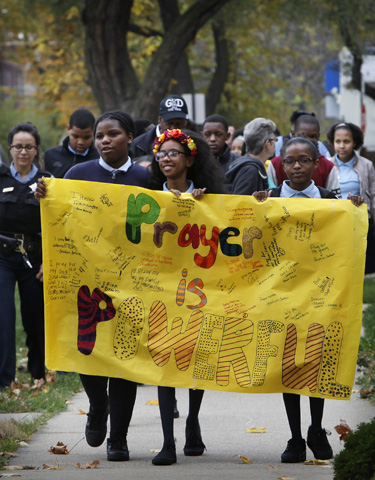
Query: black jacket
[
  {"x": 247, "y": 175},
  {"x": 19, "y": 209},
  {"x": 227, "y": 158},
  {"x": 142, "y": 145},
  {"x": 58, "y": 160}
]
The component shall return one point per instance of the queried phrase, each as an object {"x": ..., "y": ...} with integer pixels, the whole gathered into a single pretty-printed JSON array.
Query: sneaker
[
  {"x": 194, "y": 445},
  {"x": 117, "y": 450},
  {"x": 176, "y": 413},
  {"x": 318, "y": 443},
  {"x": 166, "y": 456},
  {"x": 295, "y": 451},
  {"x": 96, "y": 427}
]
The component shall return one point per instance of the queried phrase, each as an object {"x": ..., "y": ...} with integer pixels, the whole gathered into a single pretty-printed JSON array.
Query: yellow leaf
[
  {"x": 317, "y": 462},
  {"x": 256, "y": 430},
  {"x": 13, "y": 467},
  {"x": 72, "y": 13},
  {"x": 152, "y": 402},
  {"x": 244, "y": 459},
  {"x": 287, "y": 478},
  {"x": 81, "y": 412}
]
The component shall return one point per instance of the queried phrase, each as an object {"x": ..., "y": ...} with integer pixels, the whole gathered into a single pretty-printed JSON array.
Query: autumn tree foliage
[{"x": 250, "y": 57}]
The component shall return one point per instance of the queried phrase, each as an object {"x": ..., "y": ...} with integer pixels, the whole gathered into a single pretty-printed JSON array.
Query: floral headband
[{"x": 175, "y": 134}]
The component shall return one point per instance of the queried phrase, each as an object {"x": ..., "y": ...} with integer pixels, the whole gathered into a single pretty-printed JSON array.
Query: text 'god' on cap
[{"x": 173, "y": 106}]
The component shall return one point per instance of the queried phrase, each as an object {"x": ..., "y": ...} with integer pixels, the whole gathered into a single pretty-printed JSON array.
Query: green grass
[
  {"x": 366, "y": 354},
  {"x": 47, "y": 399},
  {"x": 369, "y": 290}
]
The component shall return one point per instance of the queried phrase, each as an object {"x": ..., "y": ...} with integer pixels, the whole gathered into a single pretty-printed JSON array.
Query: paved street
[{"x": 224, "y": 419}]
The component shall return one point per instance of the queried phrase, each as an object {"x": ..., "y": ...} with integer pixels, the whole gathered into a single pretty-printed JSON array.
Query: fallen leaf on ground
[
  {"x": 39, "y": 384},
  {"x": 81, "y": 412},
  {"x": 88, "y": 465},
  {"x": 152, "y": 402},
  {"x": 9, "y": 454},
  {"x": 287, "y": 478},
  {"x": 23, "y": 444},
  {"x": 256, "y": 430},
  {"x": 59, "y": 449},
  {"x": 50, "y": 378},
  {"x": 11, "y": 475},
  {"x": 317, "y": 462},
  {"x": 244, "y": 459},
  {"x": 13, "y": 467},
  {"x": 343, "y": 430},
  {"x": 155, "y": 450},
  {"x": 51, "y": 467}
]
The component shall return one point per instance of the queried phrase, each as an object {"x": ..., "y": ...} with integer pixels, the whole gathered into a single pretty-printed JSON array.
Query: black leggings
[
  {"x": 166, "y": 405},
  {"x": 292, "y": 404},
  {"x": 122, "y": 394}
]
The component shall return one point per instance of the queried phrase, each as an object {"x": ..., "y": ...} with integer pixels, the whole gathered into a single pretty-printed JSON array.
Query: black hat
[{"x": 173, "y": 106}]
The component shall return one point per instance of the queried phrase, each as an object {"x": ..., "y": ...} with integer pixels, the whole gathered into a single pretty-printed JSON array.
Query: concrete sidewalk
[{"x": 224, "y": 418}]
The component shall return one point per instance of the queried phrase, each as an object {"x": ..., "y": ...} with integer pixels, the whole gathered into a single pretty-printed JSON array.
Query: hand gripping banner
[{"x": 223, "y": 293}]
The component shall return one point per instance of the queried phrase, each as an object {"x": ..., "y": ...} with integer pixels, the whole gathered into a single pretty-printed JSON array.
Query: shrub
[{"x": 357, "y": 460}]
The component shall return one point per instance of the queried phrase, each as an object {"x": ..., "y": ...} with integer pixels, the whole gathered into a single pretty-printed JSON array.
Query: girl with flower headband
[{"x": 183, "y": 162}]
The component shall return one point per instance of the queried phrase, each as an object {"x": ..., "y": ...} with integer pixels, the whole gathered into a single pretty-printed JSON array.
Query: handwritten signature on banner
[{"x": 222, "y": 293}]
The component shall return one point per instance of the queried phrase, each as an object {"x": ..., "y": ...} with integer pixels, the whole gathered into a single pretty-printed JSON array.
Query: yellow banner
[{"x": 223, "y": 294}]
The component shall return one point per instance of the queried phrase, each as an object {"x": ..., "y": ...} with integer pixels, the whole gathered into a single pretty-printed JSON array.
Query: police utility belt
[{"x": 18, "y": 242}]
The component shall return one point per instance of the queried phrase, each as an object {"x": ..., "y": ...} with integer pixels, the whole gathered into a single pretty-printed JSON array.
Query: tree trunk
[
  {"x": 182, "y": 79},
  {"x": 111, "y": 74},
  {"x": 160, "y": 70},
  {"x": 221, "y": 74}
]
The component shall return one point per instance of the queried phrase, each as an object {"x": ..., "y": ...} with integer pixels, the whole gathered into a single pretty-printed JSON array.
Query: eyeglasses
[
  {"x": 290, "y": 161},
  {"x": 19, "y": 147},
  {"x": 272, "y": 139},
  {"x": 172, "y": 154}
]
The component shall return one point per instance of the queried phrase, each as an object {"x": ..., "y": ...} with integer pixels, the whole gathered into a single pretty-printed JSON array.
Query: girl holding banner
[
  {"x": 300, "y": 157},
  {"x": 113, "y": 133},
  {"x": 183, "y": 162}
]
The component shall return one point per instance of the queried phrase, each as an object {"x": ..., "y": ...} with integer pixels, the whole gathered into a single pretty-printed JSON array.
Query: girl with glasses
[
  {"x": 183, "y": 162},
  {"x": 300, "y": 158}
]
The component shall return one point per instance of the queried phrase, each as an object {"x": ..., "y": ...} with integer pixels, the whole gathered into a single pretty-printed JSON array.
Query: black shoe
[
  {"x": 194, "y": 445},
  {"x": 117, "y": 451},
  {"x": 96, "y": 427},
  {"x": 295, "y": 451},
  {"x": 318, "y": 443},
  {"x": 176, "y": 413},
  {"x": 166, "y": 456}
]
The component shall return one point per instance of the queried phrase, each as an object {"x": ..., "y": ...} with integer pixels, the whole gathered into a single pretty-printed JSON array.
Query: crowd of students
[{"x": 172, "y": 156}]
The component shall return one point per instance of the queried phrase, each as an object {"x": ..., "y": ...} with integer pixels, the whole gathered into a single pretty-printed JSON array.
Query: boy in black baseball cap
[{"x": 173, "y": 113}]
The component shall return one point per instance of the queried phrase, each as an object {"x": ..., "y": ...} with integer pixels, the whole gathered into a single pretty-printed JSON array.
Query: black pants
[{"x": 121, "y": 397}]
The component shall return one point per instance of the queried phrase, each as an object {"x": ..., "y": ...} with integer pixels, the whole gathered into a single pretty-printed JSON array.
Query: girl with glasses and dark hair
[
  {"x": 300, "y": 158},
  {"x": 183, "y": 162}
]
